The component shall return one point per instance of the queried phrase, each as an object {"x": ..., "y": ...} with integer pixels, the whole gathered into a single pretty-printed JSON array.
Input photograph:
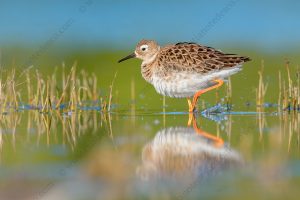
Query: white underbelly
[{"x": 187, "y": 84}]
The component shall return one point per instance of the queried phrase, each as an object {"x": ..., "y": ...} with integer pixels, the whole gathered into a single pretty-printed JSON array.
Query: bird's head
[{"x": 145, "y": 50}]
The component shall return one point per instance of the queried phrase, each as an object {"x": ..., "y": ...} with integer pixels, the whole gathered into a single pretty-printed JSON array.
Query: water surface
[{"x": 92, "y": 155}]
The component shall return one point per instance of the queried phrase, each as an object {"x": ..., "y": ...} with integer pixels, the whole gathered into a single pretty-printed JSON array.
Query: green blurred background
[{"x": 95, "y": 34}]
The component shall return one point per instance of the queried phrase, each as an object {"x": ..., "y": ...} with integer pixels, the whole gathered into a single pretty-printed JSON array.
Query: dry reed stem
[
  {"x": 228, "y": 94},
  {"x": 110, "y": 92},
  {"x": 262, "y": 88}
]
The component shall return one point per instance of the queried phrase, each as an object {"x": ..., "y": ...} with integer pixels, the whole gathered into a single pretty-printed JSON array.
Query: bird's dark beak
[{"x": 127, "y": 57}]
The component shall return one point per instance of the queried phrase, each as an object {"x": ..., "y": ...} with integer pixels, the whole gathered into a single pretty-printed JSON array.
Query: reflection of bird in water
[{"x": 185, "y": 152}]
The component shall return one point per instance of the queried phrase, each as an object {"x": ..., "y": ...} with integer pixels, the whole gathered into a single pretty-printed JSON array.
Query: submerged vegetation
[
  {"x": 290, "y": 90},
  {"x": 288, "y": 87},
  {"x": 48, "y": 128},
  {"x": 75, "y": 90}
]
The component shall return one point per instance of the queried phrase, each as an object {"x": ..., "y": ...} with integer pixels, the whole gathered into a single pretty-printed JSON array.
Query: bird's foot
[
  {"x": 192, "y": 107},
  {"x": 191, "y": 118}
]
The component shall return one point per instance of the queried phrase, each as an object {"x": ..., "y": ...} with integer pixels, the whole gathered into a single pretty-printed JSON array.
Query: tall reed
[{"x": 47, "y": 93}]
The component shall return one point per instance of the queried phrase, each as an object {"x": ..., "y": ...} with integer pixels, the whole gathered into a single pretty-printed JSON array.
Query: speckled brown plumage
[{"x": 196, "y": 58}]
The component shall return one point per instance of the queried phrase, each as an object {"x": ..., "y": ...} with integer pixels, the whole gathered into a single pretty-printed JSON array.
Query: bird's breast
[{"x": 176, "y": 86}]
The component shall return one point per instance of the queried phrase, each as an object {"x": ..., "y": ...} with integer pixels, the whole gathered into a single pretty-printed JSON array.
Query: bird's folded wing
[{"x": 195, "y": 58}]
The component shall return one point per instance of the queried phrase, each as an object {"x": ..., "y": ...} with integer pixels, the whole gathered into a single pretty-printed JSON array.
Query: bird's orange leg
[
  {"x": 218, "y": 142},
  {"x": 196, "y": 96},
  {"x": 191, "y": 115},
  {"x": 190, "y": 104}
]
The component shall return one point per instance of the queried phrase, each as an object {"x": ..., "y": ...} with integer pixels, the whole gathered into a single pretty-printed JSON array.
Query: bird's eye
[{"x": 144, "y": 47}]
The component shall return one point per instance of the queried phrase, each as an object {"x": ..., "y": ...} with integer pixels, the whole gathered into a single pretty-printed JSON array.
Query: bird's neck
[
  {"x": 147, "y": 72},
  {"x": 147, "y": 68},
  {"x": 149, "y": 60}
]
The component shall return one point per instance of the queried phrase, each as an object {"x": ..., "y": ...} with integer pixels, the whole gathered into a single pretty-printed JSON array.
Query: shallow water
[{"x": 153, "y": 155}]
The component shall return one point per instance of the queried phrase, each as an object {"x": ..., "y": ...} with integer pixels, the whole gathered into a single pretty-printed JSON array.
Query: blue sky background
[{"x": 269, "y": 25}]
